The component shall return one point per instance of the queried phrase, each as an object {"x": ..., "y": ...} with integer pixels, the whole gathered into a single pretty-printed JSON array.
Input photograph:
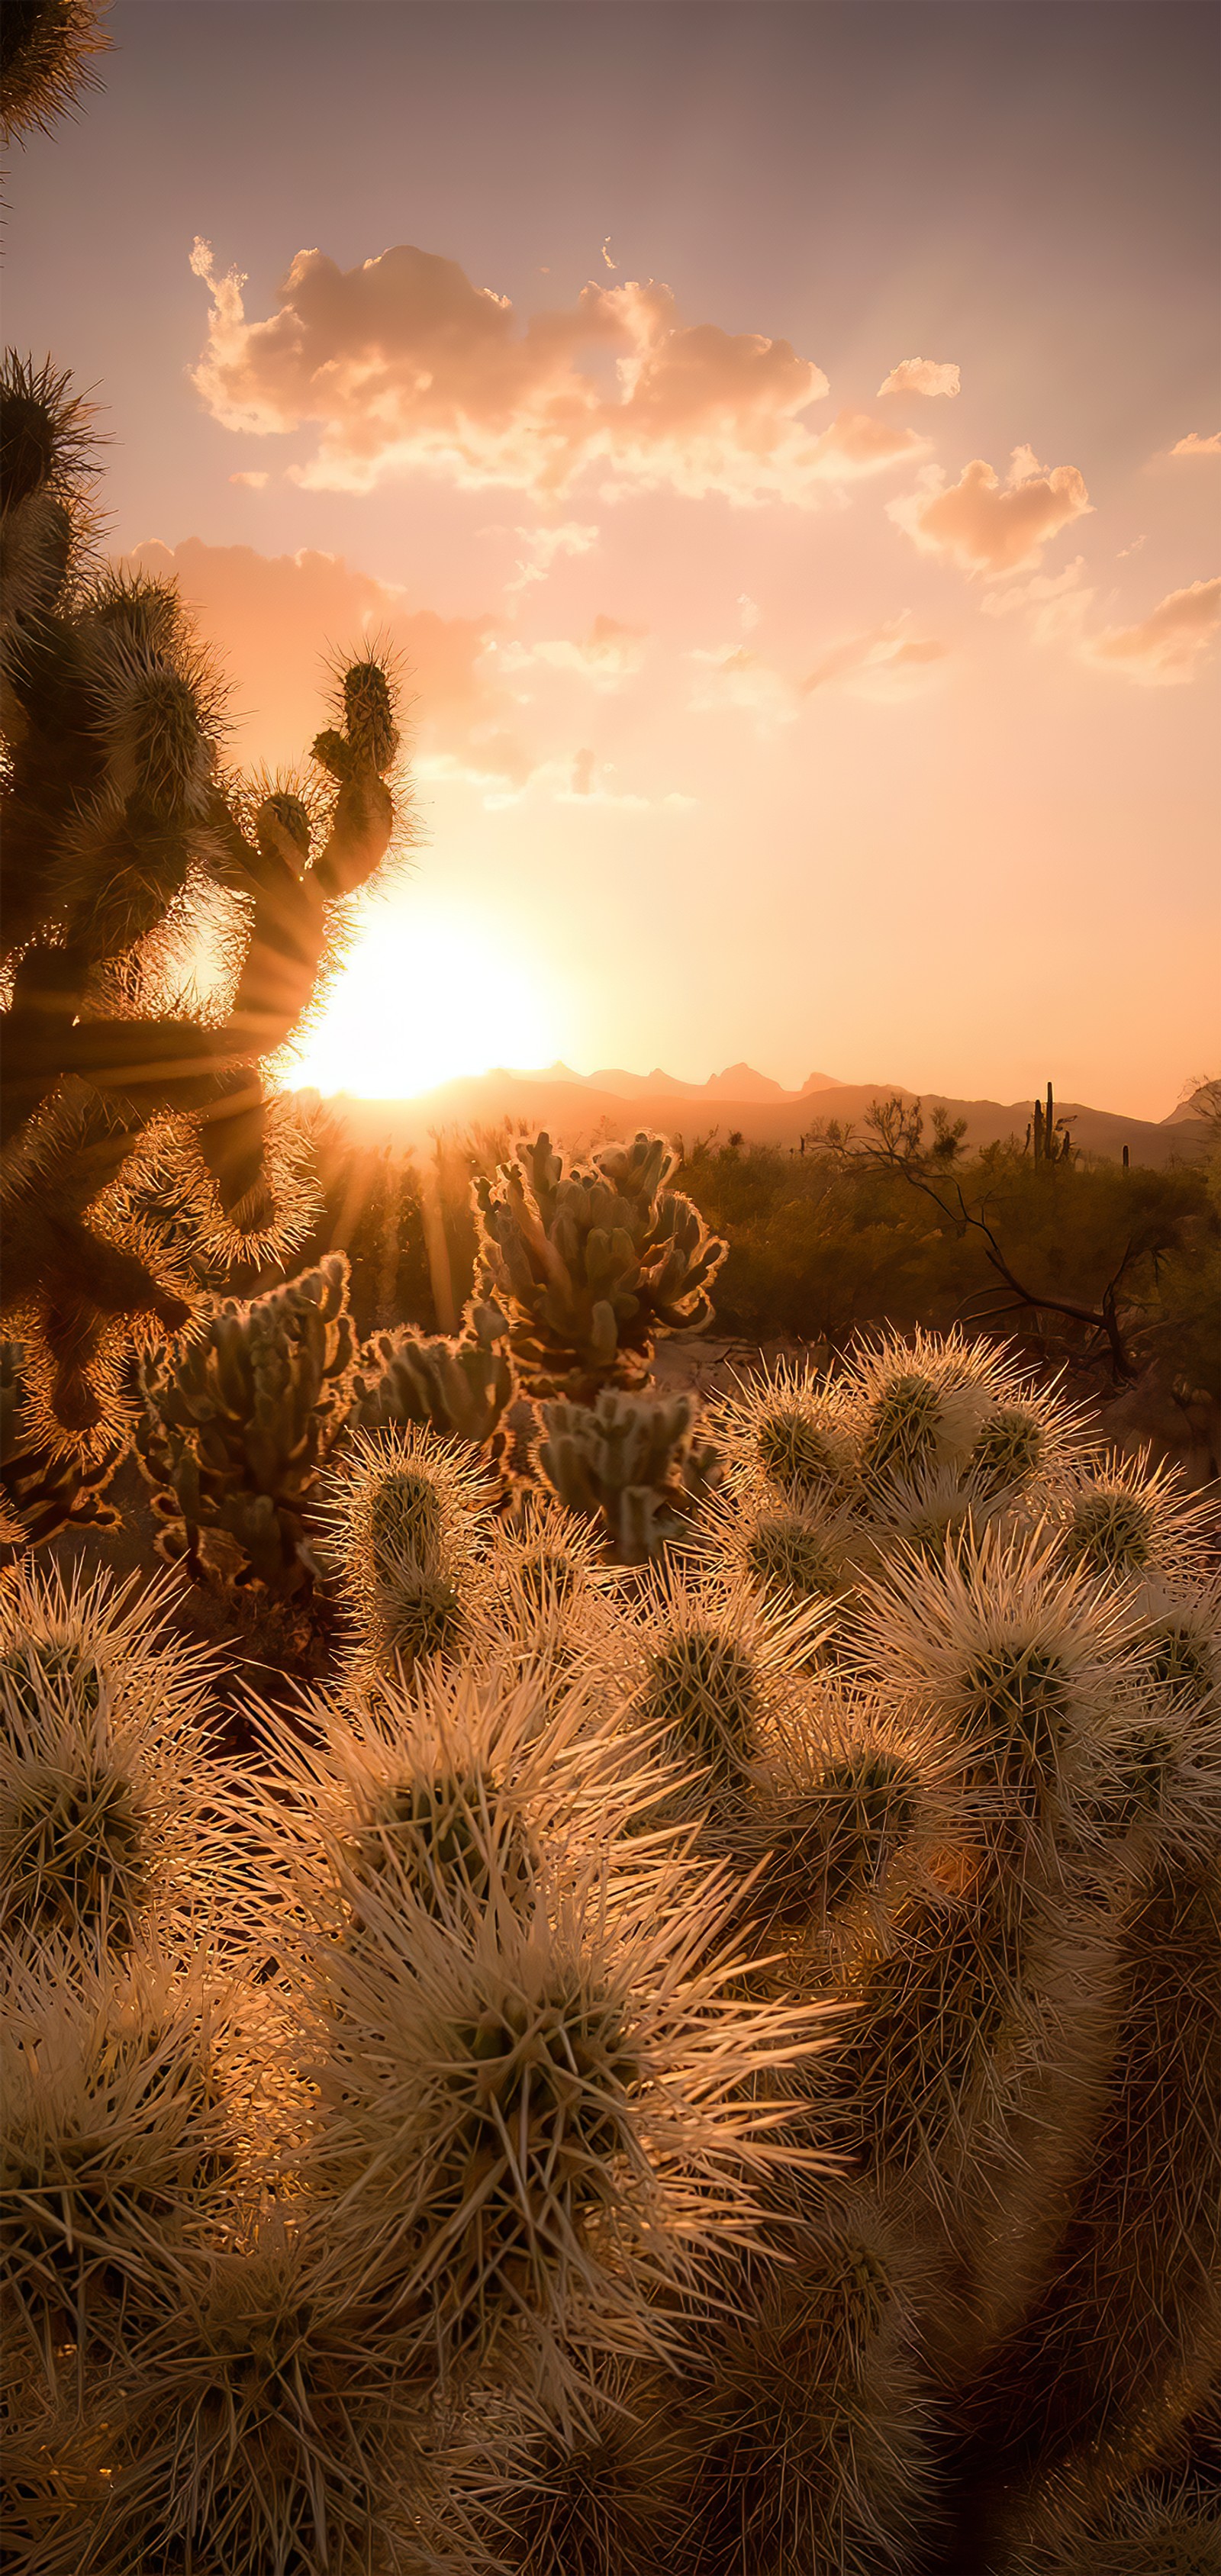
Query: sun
[{"x": 426, "y": 995}]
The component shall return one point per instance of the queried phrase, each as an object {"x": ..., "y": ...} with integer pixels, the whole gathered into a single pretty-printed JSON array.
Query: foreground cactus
[
  {"x": 693, "y": 2070},
  {"x": 591, "y": 1264},
  {"x": 237, "y": 1427}
]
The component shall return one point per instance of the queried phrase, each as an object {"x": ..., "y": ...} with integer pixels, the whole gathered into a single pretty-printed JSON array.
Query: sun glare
[{"x": 424, "y": 997}]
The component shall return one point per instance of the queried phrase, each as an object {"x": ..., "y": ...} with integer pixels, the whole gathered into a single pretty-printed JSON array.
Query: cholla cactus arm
[
  {"x": 46, "y": 60},
  {"x": 459, "y": 1387}
]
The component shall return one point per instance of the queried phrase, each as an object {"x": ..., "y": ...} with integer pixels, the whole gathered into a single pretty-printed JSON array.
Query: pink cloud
[
  {"x": 272, "y": 618},
  {"x": 404, "y": 365},
  {"x": 251, "y": 482},
  {"x": 1166, "y": 647},
  {"x": 1194, "y": 445},
  {"x": 929, "y": 376},
  {"x": 990, "y": 527}
]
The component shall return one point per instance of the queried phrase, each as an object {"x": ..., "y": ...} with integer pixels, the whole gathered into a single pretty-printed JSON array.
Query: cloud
[
  {"x": 931, "y": 376},
  {"x": 856, "y": 443},
  {"x": 543, "y": 547},
  {"x": 251, "y": 482},
  {"x": 882, "y": 663},
  {"x": 1059, "y": 602},
  {"x": 608, "y": 657},
  {"x": 989, "y": 527},
  {"x": 1194, "y": 445},
  {"x": 273, "y": 617},
  {"x": 1166, "y": 646},
  {"x": 404, "y": 366}
]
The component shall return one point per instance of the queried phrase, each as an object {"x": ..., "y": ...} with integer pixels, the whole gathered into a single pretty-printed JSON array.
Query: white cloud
[
  {"x": 608, "y": 657},
  {"x": 1194, "y": 445}
]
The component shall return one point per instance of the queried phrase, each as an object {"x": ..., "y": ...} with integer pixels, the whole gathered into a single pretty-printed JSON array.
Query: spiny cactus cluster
[
  {"x": 459, "y": 1387},
  {"x": 591, "y": 1264},
  {"x": 679, "y": 2068},
  {"x": 123, "y": 843},
  {"x": 236, "y": 1427}
]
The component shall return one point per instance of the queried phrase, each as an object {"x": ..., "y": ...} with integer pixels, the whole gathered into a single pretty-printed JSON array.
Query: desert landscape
[{"x": 610, "y": 1766}]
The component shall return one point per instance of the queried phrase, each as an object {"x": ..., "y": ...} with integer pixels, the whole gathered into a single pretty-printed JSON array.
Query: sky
[{"x": 782, "y": 444}]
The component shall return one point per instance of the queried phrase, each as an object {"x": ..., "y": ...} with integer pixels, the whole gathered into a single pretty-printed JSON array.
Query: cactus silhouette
[{"x": 120, "y": 836}]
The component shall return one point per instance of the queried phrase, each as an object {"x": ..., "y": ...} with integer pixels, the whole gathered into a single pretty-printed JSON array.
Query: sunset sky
[{"x": 784, "y": 443}]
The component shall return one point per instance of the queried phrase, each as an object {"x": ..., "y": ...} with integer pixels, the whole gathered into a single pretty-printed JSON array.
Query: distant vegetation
[{"x": 1114, "y": 1272}]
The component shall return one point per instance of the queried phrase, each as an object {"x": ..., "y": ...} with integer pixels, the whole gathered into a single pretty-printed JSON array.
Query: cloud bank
[
  {"x": 403, "y": 365},
  {"x": 988, "y": 526}
]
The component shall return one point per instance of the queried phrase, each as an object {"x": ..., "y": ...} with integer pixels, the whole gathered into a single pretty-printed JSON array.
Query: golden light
[{"x": 426, "y": 995}]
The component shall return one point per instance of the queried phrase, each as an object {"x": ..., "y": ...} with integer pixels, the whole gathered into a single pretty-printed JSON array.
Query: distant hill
[{"x": 578, "y": 1109}]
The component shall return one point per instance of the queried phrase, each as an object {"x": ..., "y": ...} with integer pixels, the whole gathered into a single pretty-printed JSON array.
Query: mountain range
[{"x": 581, "y": 1109}]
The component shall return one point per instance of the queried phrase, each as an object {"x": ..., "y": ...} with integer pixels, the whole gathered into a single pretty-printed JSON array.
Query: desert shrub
[{"x": 822, "y": 1245}]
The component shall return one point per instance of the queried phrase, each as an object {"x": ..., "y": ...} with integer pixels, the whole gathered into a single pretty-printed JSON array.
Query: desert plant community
[{"x": 599, "y": 1976}]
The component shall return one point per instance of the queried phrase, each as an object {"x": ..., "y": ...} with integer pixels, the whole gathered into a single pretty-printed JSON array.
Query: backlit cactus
[
  {"x": 404, "y": 1511},
  {"x": 636, "y": 1465},
  {"x": 121, "y": 840},
  {"x": 237, "y": 1427},
  {"x": 591, "y": 1263},
  {"x": 457, "y": 1387}
]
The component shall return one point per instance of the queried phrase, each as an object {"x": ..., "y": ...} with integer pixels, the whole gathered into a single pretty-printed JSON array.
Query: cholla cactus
[
  {"x": 591, "y": 1264},
  {"x": 1126, "y": 1520},
  {"x": 789, "y": 1431},
  {"x": 709, "y": 2045},
  {"x": 818, "y": 2431},
  {"x": 120, "y": 840},
  {"x": 448, "y": 1791},
  {"x": 47, "y": 60},
  {"x": 607, "y": 2494},
  {"x": 542, "y": 1603},
  {"x": 405, "y": 1511},
  {"x": 104, "y": 1784},
  {"x": 1170, "y": 2526},
  {"x": 262, "y": 2432},
  {"x": 117, "y": 2148},
  {"x": 47, "y": 1487},
  {"x": 239, "y": 1424},
  {"x": 525, "y": 2122},
  {"x": 634, "y": 1463},
  {"x": 715, "y": 1673},
  {"x": 458, "y": 1388},
  {"x": 1032, "y": 1668}
]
